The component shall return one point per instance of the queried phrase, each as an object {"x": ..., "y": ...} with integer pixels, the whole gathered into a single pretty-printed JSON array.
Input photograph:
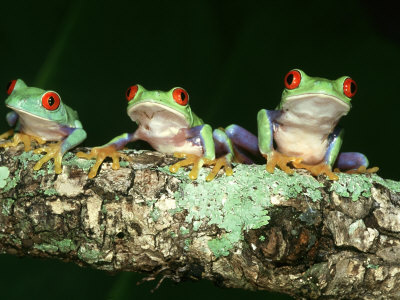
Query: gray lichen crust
[{"x": 307, "y": 237}]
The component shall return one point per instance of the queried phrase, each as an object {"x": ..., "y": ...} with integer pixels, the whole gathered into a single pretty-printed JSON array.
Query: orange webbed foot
[
  {"x": 52, "y": 151},
  {"x": 198, "y": 162},
  {"x": 100, "y": 154},
  {"x": 189, "y": 159},
  {"x": 360, "y": 170},
  {"x": 319, "y": 169},
  {"x": 276, "y": 159},
  {"x": 21, "y": 138},
  {"x": 219, "y": 163},
  {"x": 6, "y": 134}
]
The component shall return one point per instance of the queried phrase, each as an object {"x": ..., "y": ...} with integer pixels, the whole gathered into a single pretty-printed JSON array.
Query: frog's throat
[
  {"x": 147, "y": 110},
  {"x": 317, "y": 105}
]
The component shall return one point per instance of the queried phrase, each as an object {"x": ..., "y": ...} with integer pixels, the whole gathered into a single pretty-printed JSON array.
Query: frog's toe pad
[
  {"x": 362, "y": 170},
  {"x": 276, "y": 159},
  {"x": 218, "y": 164}
]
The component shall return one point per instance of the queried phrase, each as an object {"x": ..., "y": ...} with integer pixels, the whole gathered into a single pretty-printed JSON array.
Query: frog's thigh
[
  {"x": 351, "y": 160},
  {"x": 242, "y": 138}
]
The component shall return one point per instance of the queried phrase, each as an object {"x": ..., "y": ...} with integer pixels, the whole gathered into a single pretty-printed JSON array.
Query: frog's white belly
[
  {"x": 163, "y": 128},
  {"x": 168, "y": 140},
  {"x": 294, "y": 141},
  {"x": 35, "y": 126}
]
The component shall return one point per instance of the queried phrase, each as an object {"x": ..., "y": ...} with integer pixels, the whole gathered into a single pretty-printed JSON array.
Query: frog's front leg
[
  {"x": 203, "y": 135},
  {"x": 109, "y": 150},
  {"x": 224, "y": 151},
  {"x": 265, "y": 124},
  {"x": 20, "y": 138},
  {"x": 57, "y": 150}
]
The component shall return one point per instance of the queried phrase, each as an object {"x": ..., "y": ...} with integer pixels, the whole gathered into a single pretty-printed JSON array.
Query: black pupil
[
  {"x": 51, "y": 101},
  {"x": 352, "y": 87},
  {"x": 289, "y": 79},
  {"x": 128, "y": 92},
  {"x": 183, "y": 96}
]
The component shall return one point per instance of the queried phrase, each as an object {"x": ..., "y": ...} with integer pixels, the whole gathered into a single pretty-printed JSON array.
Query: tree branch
[{"x": 306, "y": 237}]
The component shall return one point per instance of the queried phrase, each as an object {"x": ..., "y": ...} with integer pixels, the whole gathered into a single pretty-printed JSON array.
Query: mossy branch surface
[{"x": 303, "y": 236}]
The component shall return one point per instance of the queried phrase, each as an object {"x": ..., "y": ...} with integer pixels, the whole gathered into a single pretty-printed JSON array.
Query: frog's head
[
  {"x": 171, "y": 107},
  {"x": 35, "y": 103},
  {"x": 314, "y": 97}
]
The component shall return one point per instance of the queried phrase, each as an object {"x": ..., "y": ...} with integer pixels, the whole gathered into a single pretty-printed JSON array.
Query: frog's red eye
[
  {"x": 349, "y": 87},
  {"x": 131, "y": 92},
  {"x": 51, "y": 100},
  {"x": 292, "y": 79},
  {"x": 10, "y": 86},
  {"x": 180, "y": 96}
]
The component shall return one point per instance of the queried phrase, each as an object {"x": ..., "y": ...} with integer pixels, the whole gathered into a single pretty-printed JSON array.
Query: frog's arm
[
  {"x": 120, "y": 141},
  {"x": 207, "y": 141},
  {"x": 76, "y": 136},
  {"x": 335, "y": 143},
  {"x": 265, "y": 124}
]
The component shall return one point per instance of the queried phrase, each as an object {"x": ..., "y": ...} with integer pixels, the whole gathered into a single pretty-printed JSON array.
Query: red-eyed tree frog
[
  {"x": 41, "y": 116},
  {"x": 166, "y": 121},
  {"x": 303, "y": 127}
]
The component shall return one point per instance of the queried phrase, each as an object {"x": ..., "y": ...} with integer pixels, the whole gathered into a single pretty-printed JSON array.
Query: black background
[{"x": 231, "y": 56}]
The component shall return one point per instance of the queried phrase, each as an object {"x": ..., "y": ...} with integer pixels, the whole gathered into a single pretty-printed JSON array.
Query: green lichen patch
[
  {"x": 155, "y": 214},
  {"x": 6, "y": 206},
  {"x": 71, "y": 159},
  {"x": 25, "y": 157},
  {"x": 65, "y": 245},
  {"x": 46, "y": 248},
  {"x": 356, "y": 185},
  {"x": 240, "y": 202},
  {"x": 11, "y": 181},
  {"x": 88, "y": 255},
  {"x": 50, "y": 192},
  {"x": 4, "y": 173}
]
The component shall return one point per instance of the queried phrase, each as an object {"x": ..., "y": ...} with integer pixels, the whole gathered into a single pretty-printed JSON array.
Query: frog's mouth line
[
  {"x": 148, "y": 111},
  {"x": 24, "y": 112}
]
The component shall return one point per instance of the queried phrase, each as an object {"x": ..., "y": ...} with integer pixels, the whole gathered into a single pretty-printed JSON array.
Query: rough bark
[{"x": 306, "y": 237}]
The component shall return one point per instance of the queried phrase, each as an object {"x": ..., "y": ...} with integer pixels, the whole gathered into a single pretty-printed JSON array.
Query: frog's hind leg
[
  {"x": 245, "y": 144},
  {"x": 21, "y": 138},
  {"x": 353, "y": 163}
]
